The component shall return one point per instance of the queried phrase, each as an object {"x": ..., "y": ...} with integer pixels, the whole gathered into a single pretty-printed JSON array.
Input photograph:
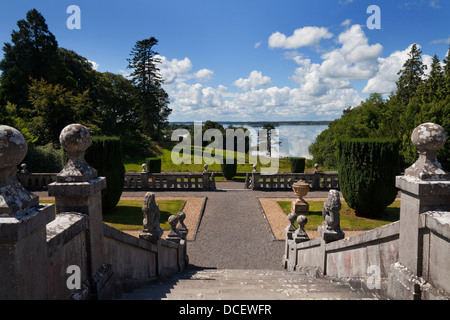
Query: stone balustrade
[
  {"x": 197, "y": 180},
  {"x": 284, "y": 180},
  {"x": 170, "y": 181}
]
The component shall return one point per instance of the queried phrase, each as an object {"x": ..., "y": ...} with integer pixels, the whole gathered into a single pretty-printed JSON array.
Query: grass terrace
[{"x": 349, "y": 220}]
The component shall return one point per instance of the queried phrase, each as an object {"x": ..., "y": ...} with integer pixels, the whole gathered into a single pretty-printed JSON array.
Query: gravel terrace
[{"x": 236, "y": 228}]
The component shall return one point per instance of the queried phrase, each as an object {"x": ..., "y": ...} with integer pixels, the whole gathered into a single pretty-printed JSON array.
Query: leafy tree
[
  {"x": 79, "y": 75},
  {"x": 153, "y": 101},
  {"x": 53, "y": 107},
  {"x": 31, "y": 55},
  {"x": 116, "y": 99}
]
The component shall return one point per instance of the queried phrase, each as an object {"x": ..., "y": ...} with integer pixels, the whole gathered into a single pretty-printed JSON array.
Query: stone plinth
[{"x": 79, "y": 189}]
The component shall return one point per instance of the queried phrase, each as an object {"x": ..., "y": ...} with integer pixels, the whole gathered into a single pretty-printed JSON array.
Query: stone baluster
[{"x": 23, "y": 245}]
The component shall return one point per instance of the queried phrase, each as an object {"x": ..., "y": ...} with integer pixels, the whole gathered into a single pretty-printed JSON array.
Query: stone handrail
[{"x": 285, "y": 180}]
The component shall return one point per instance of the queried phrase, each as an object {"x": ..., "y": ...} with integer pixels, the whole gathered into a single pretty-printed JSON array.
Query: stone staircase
[{"x": 232, "y": 284}]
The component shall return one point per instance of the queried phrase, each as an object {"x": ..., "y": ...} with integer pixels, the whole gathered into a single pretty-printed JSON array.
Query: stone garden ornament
[
  {"x": 330, "y": 230},
  {"x": 152, "y": 231}
]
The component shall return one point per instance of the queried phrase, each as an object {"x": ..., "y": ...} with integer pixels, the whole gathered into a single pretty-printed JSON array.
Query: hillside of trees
[
  {"x": 44, "y": 87},
  {"x": 419, "y": 98}
]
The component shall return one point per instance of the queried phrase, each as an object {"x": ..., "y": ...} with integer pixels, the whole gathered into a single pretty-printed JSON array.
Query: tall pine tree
[
  {"x": 153, "y": 100},
  {"x": 411, "y": 76},
  {"x": 31, "y": 55}
]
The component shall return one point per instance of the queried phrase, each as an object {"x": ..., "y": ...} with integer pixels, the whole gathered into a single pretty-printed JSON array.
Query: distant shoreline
[{"x": 261, "y": 123}]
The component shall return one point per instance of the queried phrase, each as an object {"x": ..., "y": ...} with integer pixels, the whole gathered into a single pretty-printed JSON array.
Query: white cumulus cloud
[
  {"x": 255, "y": 79},
  {"x": 384, "y": 81},
  {"x": 302, "y": 37}
]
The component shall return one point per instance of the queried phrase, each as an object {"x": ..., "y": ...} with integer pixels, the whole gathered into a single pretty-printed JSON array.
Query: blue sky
[{"x": 252, "y": 59}]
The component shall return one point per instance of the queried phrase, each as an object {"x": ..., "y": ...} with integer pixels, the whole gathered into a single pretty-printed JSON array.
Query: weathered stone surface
[
  {"x": 300, "y": 234},
  {"x": 428, "y": 138},
  {"x": 14, "y": 198},
  {"x": 75, "y": 139}
]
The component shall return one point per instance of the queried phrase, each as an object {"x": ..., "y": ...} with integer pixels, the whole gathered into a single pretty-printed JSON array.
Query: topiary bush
[
  {"x": 229, "y": 170},
  {"x": 105, "y": 155},
  {"x": 153, "y": 165},
  {"x": 367, "y": 170},
  {"x": 297, "y": 165}
]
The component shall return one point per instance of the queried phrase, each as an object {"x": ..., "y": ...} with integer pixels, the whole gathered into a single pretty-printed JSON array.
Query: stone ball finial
[
  {"x": 14, "y": 198},
  {"x": 75, "y": 138},
  {"x": 13, "y": 147},
  {"x": 428, "y": 138}
]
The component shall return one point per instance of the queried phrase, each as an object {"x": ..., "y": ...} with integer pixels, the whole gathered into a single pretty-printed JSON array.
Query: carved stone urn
[{"x": 300, "y": 206}]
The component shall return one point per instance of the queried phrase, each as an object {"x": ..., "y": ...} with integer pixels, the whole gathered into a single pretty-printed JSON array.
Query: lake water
[{"x": 295, "y": 139}]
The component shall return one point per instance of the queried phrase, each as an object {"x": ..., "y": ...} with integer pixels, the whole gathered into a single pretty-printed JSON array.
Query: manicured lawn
[
  {"x": 134, "y": 164},
  {"x": 349, "y": 221},
  {"x": 128, "y": 213}
]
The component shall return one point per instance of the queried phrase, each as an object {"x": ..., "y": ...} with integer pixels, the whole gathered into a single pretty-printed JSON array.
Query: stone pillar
[
  {"x": 78, "y": 189},
  {"x": 23, "y": 244},
  {"x": 205, "y": 178},
  {"x": 316, "y": 178},
  {"x": 424, "y": 187}
]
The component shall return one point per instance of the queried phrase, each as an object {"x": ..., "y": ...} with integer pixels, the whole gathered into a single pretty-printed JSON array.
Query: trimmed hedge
[
  {"x": 153, "y": 165},
  {"x": 105, "y": 155},
  {"x": 367, "y": 170},
  {"x": 48, "y": 158},
  {"x": 297, "y": 165},
  {"x": 229, "y": 170}
]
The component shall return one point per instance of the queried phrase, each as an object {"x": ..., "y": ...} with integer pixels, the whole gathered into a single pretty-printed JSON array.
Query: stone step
[{"x": 230, "y": 284}]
